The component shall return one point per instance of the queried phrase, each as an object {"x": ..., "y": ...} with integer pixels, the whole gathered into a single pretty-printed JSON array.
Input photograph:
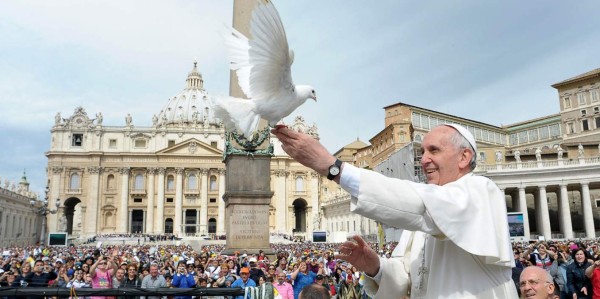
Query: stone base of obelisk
[{"x": 247, "y": 198}]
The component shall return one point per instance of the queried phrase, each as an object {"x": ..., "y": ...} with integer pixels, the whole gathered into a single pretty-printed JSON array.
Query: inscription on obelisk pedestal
[{"x": 249, "y": 225}]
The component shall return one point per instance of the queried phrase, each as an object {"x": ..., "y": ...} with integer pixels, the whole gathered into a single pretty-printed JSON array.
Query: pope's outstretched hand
[
  {"x": 304, "y": 149},
  {"x": 358, "y": 253}
]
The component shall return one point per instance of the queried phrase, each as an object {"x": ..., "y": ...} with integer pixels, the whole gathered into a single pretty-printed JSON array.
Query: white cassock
[{"x": 455, "y": 244}]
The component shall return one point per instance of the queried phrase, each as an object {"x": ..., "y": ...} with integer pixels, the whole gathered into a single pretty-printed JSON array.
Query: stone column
[
  {"x": 150, "y": 206},
  {"x": 178, "y": 202},
  {"x": 544, "y": 215},
  {"x": 91, "y": 223},
  {"x": 588, "y": 214},
  {"x": 123, "y": 220},
  {"x": 198, "y": 221},
  {"x": 221, "y": 217},
  {"x": 515, "y": 202},
  {"x": 523, "y": 209},
  {"x": 314, "y": 194},
  {"x": 55, "y": 190},
  {"x": 204, "y": 201},
  {"x": 566, "y": 225},
  {"x": 160, "y": 205},
  {"x": 281, "y": 201}
]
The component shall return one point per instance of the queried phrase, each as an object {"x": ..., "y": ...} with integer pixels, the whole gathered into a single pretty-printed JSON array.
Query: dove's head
[{"x": 306, "y": 92}]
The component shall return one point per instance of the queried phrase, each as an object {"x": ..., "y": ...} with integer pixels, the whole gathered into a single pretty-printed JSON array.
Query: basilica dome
[{"x": 192, "y": 106}]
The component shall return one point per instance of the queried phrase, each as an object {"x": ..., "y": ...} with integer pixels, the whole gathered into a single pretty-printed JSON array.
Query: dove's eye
[{"x": 313, "y": 91}]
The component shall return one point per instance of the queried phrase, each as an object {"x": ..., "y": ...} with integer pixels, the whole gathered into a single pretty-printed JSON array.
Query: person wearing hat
[
  {"x": 320, "y": 280},
  {"x": 244, "y": 281},
  {"x": 455, "y": 241},
  {"x": 255, "y": 272}
]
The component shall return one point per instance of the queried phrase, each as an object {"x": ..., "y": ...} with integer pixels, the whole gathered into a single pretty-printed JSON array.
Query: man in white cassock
[{"x": 456, "y": 242}]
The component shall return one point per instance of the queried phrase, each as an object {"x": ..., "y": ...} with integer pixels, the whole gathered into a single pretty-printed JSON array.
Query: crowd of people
[
  {"x": 292, "y": 267},
  {"x": 569, "y": 269}
]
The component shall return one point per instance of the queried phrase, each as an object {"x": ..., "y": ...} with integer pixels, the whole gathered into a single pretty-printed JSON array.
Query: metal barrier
[{"x": 123, "y": 292}]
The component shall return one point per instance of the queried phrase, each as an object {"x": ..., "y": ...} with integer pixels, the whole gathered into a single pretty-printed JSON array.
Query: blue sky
[{"x": 491, "y": 61}]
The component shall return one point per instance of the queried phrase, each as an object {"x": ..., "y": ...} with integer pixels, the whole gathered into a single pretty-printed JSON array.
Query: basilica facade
[{"x": 167, "y": 178}]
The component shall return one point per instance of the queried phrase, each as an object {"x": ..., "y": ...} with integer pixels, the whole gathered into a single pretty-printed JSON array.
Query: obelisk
[{"x": 247, "y": 185}]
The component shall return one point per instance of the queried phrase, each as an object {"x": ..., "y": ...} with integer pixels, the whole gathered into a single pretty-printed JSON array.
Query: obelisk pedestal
[{"x": 247, "y": 199}]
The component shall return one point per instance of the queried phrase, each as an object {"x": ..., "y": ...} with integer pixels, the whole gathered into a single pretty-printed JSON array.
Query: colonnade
[{"x": 533, "y": 202}]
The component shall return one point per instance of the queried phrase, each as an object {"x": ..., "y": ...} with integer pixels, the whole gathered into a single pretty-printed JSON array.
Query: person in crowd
[
  {"x": 320, "y": 279},
  {"x": 153, "y": 280},
  {"x": 225, "y": 278},
  {"x": 182, "y": 279},
  {"x": 314, "y": 291},
  {"x": 578, "y": 284},
  {"x": 271, "y": 272},
  {"x": 78, "y": 280},
  {"x": 102, "y": 272},
  {"x": 243, "y": 282},
  {"x": 285, "y": 289},
  {"x": 85, "y": 267},
  {"x": 233, "y": 267},
  {"x": 62, "y": 278},
  {"x": 593, "y": 273},
  {"x": 202, "y": 282},
  {"x": 119, "y": 278},
  {"x": 39, "y": 278},
  {"x": 282, "y": 266},
  {"x": 255, "y": 271},
  {"x": 23, "y": 272},
  {"x": 261, "y": 281},
  {"x": 8, "y": 278},
  {"x": 455, "y": 241},
  {"x": 539, "y": 255},
  {"x": 213, "y": 269},
  {"x": 132, "y": 280},
  {"x": 302, "y": 277},
  {"x": 145, "y": 272},
  {"x": 536, "y": 283}
]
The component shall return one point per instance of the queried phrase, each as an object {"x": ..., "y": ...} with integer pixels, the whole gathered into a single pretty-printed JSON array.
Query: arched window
[
  {"x": 212, "y": 226},
  {"x": 299, "y": 183},
  {"x": 213, "y": 183},
  {"x": 75, "y": 181},
  {"x": 170, "y": 183},
  {"x": 139, "y": 182},
  {"x": 192, "y": 183},
  {"x": 110, "y": 182}
]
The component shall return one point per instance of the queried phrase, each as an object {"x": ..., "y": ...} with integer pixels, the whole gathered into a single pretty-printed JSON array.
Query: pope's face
[{"x": 441, "y": 160}]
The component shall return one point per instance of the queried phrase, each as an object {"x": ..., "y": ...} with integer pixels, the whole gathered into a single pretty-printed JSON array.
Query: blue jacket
[{"x": 183, "y": 281}]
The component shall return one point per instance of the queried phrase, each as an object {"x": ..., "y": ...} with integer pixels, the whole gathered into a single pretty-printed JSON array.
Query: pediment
[{"x": 191, "y": 147}]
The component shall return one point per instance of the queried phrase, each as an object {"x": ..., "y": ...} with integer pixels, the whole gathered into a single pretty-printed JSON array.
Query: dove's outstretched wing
[{"x": 263, "y": 63}]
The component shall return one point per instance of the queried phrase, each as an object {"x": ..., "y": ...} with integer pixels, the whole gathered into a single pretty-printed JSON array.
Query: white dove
[{"x": 263, "y": 67}]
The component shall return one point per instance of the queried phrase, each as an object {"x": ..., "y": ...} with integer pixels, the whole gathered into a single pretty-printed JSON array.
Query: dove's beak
[{"x": 314, "y": 98}]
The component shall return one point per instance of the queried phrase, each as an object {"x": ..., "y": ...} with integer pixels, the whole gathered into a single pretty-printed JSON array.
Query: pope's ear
[{"x": 465, "y": 159}]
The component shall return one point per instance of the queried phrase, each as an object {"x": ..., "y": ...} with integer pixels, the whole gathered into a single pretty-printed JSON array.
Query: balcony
[
  {"x": 544, "y": 164},
  {"x": 191, "y": 191},
  {"x": 136, "y": 191},
  {"x": 73, "y": 191}
]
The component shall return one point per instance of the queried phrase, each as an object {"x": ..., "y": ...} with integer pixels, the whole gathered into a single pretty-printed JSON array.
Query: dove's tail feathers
[{"x": 237, "y": 113}]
